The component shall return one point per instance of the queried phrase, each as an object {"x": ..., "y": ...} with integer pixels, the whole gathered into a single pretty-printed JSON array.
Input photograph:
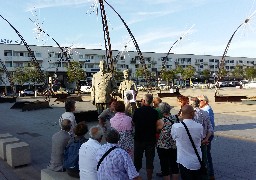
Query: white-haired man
[
  {"x": 87, "y": 153},
  {"x": 204, "y": 105}
]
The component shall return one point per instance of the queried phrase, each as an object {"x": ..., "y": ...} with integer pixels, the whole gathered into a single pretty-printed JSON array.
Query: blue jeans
[{"x": 209, "y": 158}]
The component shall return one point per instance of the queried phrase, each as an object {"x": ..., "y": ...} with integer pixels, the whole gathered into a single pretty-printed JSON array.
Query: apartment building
[{"x": 49, "y": 58}]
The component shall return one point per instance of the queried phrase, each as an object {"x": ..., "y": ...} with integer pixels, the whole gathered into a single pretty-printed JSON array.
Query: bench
[
  {"x": 47, "y": 174},
  {"x": 15, "y": 152},
  {"x": 18, "y": 154},
  {"x": 3, "y": 144}
]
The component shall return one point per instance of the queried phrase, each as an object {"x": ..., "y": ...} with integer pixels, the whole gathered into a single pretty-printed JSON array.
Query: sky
[{"x": 204, "y": 25}]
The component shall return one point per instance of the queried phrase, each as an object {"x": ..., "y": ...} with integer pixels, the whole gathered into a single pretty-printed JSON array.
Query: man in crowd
[
  {"x": 146, "y": 122},
  {"x": 204, "y": 105},
  {"x": 118, "y": 163},
  {"x": 87, "y": 153},
  {"x": 69, "y": 114},
  {"x": 186, "y": 157},
  {"x": 59, "y": 142}
]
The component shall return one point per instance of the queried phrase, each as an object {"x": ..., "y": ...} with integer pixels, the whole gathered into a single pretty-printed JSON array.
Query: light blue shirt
[{"x": 208, "y": 109}]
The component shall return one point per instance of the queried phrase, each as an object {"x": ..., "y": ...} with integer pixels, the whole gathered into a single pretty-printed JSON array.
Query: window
[
  {"x": 21, "y": 54},
  {"x": 201, "y": 60},
  {"x": 89, "y": 65},
  {"x": 7, "y": 52},
  {"x": 216, "y": 60},
  {"x": 231, "y": 61},
  {"x": 211, "y": 60},
  {"x": 201, "y": 66},
  {"x": 211, "y": 66},
  {"x": 8, "y": 63},
  {"x": 38, "y": 55},
  {"x": 92, "y": 57},
  {"x": 122, "y": 58}
]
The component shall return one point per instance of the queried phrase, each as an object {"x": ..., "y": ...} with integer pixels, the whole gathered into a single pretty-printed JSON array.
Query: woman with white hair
[{"x": 166, "y": 146}]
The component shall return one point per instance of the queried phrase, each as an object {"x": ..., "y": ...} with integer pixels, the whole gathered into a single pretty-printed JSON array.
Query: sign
[{"x": 129, "y": 96}]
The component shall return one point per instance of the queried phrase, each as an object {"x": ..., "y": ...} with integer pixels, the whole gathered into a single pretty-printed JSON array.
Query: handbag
[{"x": 203, "y": 169}]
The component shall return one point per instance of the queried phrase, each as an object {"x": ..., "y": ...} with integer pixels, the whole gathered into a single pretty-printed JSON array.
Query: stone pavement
[{"x": 233, "y": 148}]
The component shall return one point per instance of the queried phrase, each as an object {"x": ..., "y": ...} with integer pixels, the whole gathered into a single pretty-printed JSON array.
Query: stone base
[
  {"x": 6, "y": 135},
  {"x": 47, "y": 174},
  {"x": 18, "y": 154},
  {"x": 4, "y": 143}
]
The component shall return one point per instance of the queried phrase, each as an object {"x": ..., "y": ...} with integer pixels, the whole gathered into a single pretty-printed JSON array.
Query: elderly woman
[
  {"x": 71, "y": 153},
  {"x": 123, "y": 124},
  {"x": 166, "y": 146},
  {"x": 182, "y": 100}
]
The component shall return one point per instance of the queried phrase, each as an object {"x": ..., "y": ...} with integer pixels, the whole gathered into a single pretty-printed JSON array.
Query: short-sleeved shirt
[
  {"x": 145, "y": 119},
  {"x": 116, "y": 165},
  {"x": 165, "y": 140}
]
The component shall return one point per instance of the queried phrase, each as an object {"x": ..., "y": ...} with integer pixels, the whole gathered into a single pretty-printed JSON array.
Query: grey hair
[
  {"x": 96, "y": 132},
  {"x": 113, "y": 136},
  {"x": 164, "y": 108},
  {"x": 65, "y": 124},
  {"x": 148, "y": 98},
  {"x": 194, "y": 102}
]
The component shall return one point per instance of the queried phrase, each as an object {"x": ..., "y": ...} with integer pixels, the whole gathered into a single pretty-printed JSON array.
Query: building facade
[{"x": 49, "y": 58}]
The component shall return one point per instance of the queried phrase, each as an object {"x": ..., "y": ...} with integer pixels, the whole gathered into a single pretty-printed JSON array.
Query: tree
[
  {"x": 250, "y": 73},
  {"x": 206, "y": 73},
  {"x": 238, "y": 71},
  {"x": 222, "y": 72},
  {"x": 188, "y": 72},
  {"x": 119, "y": 76},
  {"x": 75, "y": 73},
  {"x": 168, "y": 75},
  {"x": 19, "y": 76}
]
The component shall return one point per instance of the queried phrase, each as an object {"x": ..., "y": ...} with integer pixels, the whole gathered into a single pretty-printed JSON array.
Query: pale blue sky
[{"x": 156, "y": 24}]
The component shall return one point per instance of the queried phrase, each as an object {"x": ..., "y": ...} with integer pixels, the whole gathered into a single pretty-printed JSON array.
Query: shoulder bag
[
  {"x": 104, "y": 155},
  {"x": 203, "y": 169}
]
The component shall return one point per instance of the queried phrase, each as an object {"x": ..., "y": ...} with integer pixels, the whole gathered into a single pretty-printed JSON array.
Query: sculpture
[
  {"x": 128, "y": 91},
  {"x": 127, "y": 84},
  {"x": 103, "y": 87}
]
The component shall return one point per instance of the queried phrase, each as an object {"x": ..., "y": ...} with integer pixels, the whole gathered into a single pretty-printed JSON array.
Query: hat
[{"x": 203, "y": 97}]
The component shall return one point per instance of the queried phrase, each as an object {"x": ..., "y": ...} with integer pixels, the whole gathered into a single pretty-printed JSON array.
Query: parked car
[
  {"x": 85, "y": 89},
  {"x": 27, "y": 92},
  {"x": 251, "y": 84}
]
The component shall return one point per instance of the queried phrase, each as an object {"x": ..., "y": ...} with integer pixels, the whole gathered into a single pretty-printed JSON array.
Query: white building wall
[{"x": 14, "y": 55}]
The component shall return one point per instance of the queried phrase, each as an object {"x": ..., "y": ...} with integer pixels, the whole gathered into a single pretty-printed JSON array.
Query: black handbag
[{"x": 203, "y": 169}]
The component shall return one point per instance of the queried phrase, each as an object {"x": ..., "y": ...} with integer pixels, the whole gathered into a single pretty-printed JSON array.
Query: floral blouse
[{"x": 165, "y": 140}]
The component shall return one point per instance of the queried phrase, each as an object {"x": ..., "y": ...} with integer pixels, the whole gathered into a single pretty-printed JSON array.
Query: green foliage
[
  {"x": 119, "y": 76},
  {"x": 222, "y": 72},
  {"x": 75, "y": 72},
  {"x": 188, "y": 72},
  {"x": 206, "y": 73},
  {"x": 250, "y": 73},
  {"x": 142, "y": 72},
  {"x": 238, "y": 71},
  {"x": 179, "y": 69},
  {"x": 26, "y": 74},
  {"x": 168, "y": 75}
]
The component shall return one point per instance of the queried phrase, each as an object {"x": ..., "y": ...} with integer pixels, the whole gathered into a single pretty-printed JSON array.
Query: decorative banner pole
[
  {"x": 222, "y": 61},
  {"x": 142, "y": 61},
  {"x": 180, "y": 38},
  {"x": 106, "y": 37},
  {"x": 64, "y": 53},
  {"x": 31, "y": 54}
]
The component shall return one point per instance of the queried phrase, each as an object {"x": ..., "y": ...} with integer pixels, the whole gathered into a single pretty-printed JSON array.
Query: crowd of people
[{"x": 182, "y": 141}]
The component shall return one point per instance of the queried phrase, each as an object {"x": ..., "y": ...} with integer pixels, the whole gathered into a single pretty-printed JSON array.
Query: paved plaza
[{"x": 233, "y": 148}]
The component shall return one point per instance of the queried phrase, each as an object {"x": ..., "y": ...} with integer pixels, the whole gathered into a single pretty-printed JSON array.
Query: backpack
[{"x": 71, "y": 154}]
